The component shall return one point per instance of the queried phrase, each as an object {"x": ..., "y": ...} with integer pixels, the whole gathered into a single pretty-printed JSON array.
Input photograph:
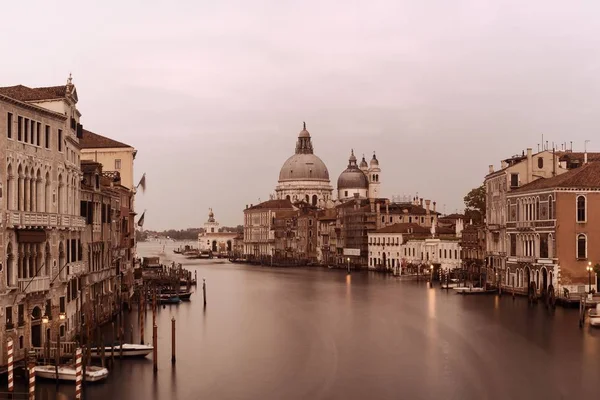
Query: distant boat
[
  {"x": 129, "y": 350},
  {"x": 183, "y": 295},
  {"x": 67, "y": 373}
]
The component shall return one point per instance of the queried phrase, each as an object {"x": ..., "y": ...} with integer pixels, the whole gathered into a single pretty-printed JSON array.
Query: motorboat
[
  {"x": 67, "y": 373},
  {"x": 129, "y": 350},
  {"x": 594, "y": 316},
  {"x": 183, "y": 295}
]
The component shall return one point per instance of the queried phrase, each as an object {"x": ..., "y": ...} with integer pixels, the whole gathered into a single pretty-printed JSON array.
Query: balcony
[
  {"x": 42, "y": 220},
  {"x": 39, "y": 284},
  {"x": 76, "y": 268}
]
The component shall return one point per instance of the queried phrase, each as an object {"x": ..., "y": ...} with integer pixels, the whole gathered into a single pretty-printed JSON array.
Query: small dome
[
  {"x": 304, "y": 133},
  {"x": 374, "y": 160},
  {"x": 303, "y": 167},
  {"x": 363, "y": 163}
]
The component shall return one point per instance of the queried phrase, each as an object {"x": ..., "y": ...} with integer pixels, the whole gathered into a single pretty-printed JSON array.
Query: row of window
[
  {"x": 21, "y": 313},
  {"x": 530, "y": 210},
  {"x": 30, "y": 131}
]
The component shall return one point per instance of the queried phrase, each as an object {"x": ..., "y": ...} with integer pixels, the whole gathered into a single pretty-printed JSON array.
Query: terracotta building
[{"x": 552, "y": 226}]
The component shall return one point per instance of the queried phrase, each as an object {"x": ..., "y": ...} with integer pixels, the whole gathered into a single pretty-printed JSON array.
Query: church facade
[{"x": 214, "y": 241}]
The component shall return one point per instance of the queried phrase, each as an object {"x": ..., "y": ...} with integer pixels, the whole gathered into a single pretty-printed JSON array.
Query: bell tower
[{"x": 374, "y": 173}]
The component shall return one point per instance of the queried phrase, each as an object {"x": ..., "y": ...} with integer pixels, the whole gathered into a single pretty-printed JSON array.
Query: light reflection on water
[{"x": 276, "y": 333}]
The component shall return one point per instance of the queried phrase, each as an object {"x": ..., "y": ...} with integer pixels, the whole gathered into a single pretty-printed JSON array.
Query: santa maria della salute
[{"x": 304, "y": 178}]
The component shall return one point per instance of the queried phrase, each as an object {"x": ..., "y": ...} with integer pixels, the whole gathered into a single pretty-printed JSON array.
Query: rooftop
[
  {"x": 91, "y": 140},
  {"x": 272, "y": 204},
  {"x": 24, "y": 93},
  {"x": 404, "y": 228},
  {"x": 585, "y": 177}
]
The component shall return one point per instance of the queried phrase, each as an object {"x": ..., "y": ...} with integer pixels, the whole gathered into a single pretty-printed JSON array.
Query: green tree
[{"x": 475, "y": 204}]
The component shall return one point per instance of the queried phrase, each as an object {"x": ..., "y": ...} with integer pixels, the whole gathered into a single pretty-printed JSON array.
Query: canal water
[{"x": 274, "y": 333}]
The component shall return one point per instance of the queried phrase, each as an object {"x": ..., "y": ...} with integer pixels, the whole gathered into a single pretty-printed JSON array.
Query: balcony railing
[
  {"x": 43, "y": 219},
  {"x": 39, "y": 284}
]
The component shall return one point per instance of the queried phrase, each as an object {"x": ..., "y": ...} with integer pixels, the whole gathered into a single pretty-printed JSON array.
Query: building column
[{"x": 26, "y": 194}]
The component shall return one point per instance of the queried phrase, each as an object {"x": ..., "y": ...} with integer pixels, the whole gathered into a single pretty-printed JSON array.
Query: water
[{"x": 320, "y": 334}]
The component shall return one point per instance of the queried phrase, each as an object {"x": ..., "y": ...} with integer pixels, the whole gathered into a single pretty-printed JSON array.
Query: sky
[{"x": 213, "y": 94}]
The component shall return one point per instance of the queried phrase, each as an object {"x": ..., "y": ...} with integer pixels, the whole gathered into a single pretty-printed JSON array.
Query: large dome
[{"x": 301, "y": 167}]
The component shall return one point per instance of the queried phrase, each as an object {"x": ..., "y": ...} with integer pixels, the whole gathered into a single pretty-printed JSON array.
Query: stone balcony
[
  {"x": 39, "y": 284},
  {"x": 28, "y": 219}
]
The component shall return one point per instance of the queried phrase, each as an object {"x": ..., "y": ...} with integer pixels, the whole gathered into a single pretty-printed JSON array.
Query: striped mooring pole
[
  {"x": 31, "y": 371},
  {"x": 78, "y": 375},
  {"x": 10, "y": 365}
]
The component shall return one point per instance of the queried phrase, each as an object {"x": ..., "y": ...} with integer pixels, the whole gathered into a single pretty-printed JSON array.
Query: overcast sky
[{"x": 213, "y": 93}]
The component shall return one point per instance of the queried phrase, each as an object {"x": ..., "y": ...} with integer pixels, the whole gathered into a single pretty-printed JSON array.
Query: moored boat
[
  {"x": 129, "y": 350},
  {"x": 169, "y": 299},
  {"x": 67, "y": 373},
  {"x": 594, "y": 316}
]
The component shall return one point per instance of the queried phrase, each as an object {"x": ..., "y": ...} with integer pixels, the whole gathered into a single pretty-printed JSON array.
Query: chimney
[
  {"x": 434, "y": 206},
  {"x": 427, "y": 203},
  {"x": 503, "y": 164},
  {"x": 529, "y": 166},
  {"x": 387, "y": 206},
  {"x": 421, "y": 201},
  {"x": 491, "y": 169},
  {"x": 459, "y": 227},
  {"x": 585, "y": 157}
]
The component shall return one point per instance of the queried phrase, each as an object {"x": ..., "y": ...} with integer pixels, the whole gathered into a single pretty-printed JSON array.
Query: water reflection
[{"x": 312, "y": 334}]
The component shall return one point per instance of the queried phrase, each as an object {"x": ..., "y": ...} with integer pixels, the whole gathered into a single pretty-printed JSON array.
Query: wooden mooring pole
[
  {"x": 155, "y": 349},
  {"x": 173, "y": 340},
  {"x": 204, "y": 290}
]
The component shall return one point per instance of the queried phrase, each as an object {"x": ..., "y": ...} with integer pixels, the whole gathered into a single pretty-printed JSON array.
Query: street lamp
[
  {"x": 62, "y": 316},
  {"x": 348, "y": 264},
  {"x": 589, "y": 270},
  {"x": 45, "y": 319}
]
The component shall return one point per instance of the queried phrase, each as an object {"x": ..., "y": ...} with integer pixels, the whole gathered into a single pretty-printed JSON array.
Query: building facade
[
  {"x": 259, "y": 221},
  {"x": 552, "y": 225},
  {"x": 514, "y": 173},
  {"x": 41, "y": 227},
  {"x": 214, "y": 241}
]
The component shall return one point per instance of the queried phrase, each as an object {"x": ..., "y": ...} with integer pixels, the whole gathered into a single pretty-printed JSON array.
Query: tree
[{"x": 475, "y": 204}]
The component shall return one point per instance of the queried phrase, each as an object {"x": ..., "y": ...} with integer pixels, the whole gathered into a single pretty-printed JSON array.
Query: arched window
[
  {"x": 307, "y": 198},
  {"x": 10, "y": 261},
  {"x": 581, "y": 246},
  {"x": 287, "y": 197},
  {"x": 540, "y": 162},
  {"x": 537, "y": 208},
  {"x": 581, "y": 209},
  {"x": 550, "y": 207},
  {"x": 314, "y": 200}
]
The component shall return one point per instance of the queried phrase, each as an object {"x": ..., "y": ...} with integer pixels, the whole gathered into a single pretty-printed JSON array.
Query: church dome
[
  {"x": 363, "y": 163},
  {"x": 374, "y": 161},
  {"x": 352, "y": 177},
  {"x": 300, "y": 167}
]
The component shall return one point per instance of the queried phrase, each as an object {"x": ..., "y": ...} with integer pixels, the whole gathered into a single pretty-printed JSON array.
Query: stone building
[
  {"x": 307, "y": 232},
  {"x": 113, "y": 155},
  {"x": 259, "y": 236},
  {"x": 514, "y": 173},
  {"x": 328, "y": 231},
  {"x": 41, "y": 227},
  {"x": 410, "y": 248},
  {"x": 552, "y": 225},
  {"x": 473, "y": 249},
  {"x": 211, "y": 239},
  {"x": 117, "y": 159}
]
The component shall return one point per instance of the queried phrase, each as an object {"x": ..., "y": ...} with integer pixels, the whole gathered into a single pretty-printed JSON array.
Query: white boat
[
  {"x": 129, "y": 350},
  {"x": 594, "y": 316},
  {"x": 67, "y": 373}
]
